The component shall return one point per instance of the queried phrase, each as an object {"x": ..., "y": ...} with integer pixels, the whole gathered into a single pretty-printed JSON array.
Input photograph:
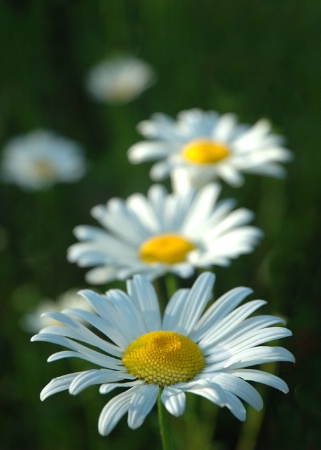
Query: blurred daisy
[
  {"x": 188, "y": 350},
  {"x": 119, "y": 79},
  {"x": 35, "y": 321},
  {"x": 40, "y": 159},
  {"x": 162, "y": 233},
  {"x": 209, "y": 147}
]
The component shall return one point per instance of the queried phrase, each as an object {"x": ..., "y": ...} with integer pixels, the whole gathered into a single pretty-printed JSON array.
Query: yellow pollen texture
[
  {"x": 166, "y": 248},
  {"x": 205, "y": 151},
  {"x": 163, "y": 358}
]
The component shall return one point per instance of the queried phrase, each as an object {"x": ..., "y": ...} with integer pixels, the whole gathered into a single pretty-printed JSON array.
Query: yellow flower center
[
  {"x": 163, "y": 358},
  {"x": 44, "y": 169},
  {"x": 205, "y": 151},
  {"x": 165, "y": 248},
  {"x": 120, "y": 93}
]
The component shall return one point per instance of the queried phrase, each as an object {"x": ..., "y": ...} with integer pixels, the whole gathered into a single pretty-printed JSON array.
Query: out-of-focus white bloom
[
  {"x": 163, "y": 233},
  {"x": 119, "y": 79},
  {"x": 35, "y": 321},
  {"x": 208, "y": 352},
  {"x": 208, "y": 146},
  {"x": 40, "y": 159}
]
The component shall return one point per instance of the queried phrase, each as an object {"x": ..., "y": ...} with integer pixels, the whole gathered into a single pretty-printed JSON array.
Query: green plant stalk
[{"x": 163, "y": 423}]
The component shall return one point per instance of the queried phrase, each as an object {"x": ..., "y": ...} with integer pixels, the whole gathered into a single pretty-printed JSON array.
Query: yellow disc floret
[
  {"x": 166, "y": 248},
  {"x": 205, "y": 151},
  {"x": 163, "y": 358}
]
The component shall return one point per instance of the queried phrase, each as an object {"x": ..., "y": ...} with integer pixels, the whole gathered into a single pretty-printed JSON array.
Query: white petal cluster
[
  {"x": 218, "y": 232},
  {"x": 119, "y": 79},
  {"x": 41, "y": 158},
  {"x": 231, "y": 339},
  {"x": 253, "y": 149}
]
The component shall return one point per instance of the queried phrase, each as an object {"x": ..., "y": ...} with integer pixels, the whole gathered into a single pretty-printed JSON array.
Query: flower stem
[{"x": 163, "y": 422}]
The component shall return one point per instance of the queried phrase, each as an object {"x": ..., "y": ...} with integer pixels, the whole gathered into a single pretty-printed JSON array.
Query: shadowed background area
[{"x": 256, "y": 59}]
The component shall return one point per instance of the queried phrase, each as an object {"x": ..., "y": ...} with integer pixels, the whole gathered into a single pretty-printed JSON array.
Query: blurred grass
[{"x": 257, "y": 59}]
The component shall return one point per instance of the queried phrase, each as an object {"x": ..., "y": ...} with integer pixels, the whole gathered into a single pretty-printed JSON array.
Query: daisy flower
[
  {"x": 209, "y": 146},
  {"x": 208, "y": 353},
  {"x": 162, "y": 233},
  {"x": 119, "y": 79},
  {"x": 40, "y": 159}
]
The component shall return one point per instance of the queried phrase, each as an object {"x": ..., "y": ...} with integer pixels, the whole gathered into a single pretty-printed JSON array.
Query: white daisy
[
  {"x": 162, "y": 233},
  {"x": 34, "y": 321},
  {"x": 188, "y": 350},
  {"x": 119, "y": 79},
  {"x": 40, "y": 159},
  {"x": 209, "y": 147}
]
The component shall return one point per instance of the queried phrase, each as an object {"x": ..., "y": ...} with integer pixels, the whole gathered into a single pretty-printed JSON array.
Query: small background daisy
[
  {"x": 119, "y": 79},
  {"x": 40, "y": 159}
]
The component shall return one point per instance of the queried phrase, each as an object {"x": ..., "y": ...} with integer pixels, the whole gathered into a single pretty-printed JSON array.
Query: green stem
[
  {"x": 172, "y": 285},
  {"x": 163, "y": 422},
  {"x": 165, "y": 288}
]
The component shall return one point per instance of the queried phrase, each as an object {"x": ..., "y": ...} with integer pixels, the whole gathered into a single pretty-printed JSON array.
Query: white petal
[
  {"x": 211, "y": 391},
  {"x": 97, "y": 359},
  {"x": 159, "y": 126},
  {"x": 235, "y": 406},
  {"x": 79, "y": 351},
  {"x": 116, "y": 216},
  {"x": 220, "y": 309},
  {"x": 230, "y": 175},
  {"x": 174, "y": 400},
  {"x": 160, "y": 170},
  {"x": 196, "y": 301},
  {"x": 89, "y": 232},
  {"x": 58, "y": 384},
  {"x": 230, "y": 322},
  {"x": 127, "y": 315},
  {"x": 216, "y": 394},
  {"x": 141, "y": 404},
  {"x": 109, "y": 323},
  {"x": 173, "y": 308},
  {"x": 240, "y": 388},
  {"x": 108, "y": 387},
  {"x": 102, "y": 326},
  {"x": 235, "y": 219},
  {"x": 157, "y": 196},
  {"x": 258, "y": 355},
  {"x": 183, "y": 270},
  {"x": 260, "y": 376},
  {"x": 240, "y": 340},
  {"x": 91, "y": 377},
  {"x": 115, "y": 409},
  {"x": 144, "y": 297},
  {"x": 202, "y": 208},
  {"x": 147, "y": 151},
  {"x": 225, "y": 126},
  {"x": 81, "y": 333},
  {"x": 101, "y": 275}
]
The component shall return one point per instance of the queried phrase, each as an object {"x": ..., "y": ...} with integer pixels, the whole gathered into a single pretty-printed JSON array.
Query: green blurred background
[{"x": 254, "y": 58}]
